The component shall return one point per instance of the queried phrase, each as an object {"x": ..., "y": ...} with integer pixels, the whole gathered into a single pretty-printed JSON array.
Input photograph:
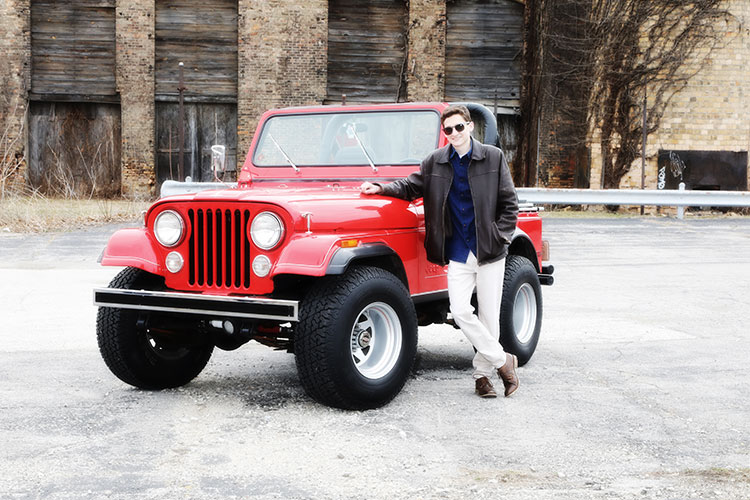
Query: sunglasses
[{"x": 459, "y": 128}]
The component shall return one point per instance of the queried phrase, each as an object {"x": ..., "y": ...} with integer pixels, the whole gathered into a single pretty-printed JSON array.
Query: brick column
[
  {"x": 15, "y": 80},
  {"x": 425, "y": 75},
  {"x": 135, "y": 83},
  {"x": 283, "y": 57}
]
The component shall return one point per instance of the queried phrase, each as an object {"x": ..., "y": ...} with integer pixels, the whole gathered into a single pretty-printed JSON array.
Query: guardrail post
[{"x": 681, "y": 208}]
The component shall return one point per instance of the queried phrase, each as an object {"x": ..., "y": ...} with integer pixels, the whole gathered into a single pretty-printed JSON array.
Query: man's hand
[{"x": 370, "y": 188}]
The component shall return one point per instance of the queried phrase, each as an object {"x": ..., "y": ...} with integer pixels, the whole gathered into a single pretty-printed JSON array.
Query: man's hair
[{"x": 455, "y": 109}]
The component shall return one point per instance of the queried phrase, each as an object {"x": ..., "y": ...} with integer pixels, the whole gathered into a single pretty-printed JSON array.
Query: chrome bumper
[{"x": 206, "y": 305}]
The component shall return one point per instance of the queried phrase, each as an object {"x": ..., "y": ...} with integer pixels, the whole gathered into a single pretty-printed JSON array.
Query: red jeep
[{"x": 294, "y": 257}]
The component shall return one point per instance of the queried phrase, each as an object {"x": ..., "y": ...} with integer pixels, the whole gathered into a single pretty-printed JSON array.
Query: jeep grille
[{"x": 219, "y": 254}]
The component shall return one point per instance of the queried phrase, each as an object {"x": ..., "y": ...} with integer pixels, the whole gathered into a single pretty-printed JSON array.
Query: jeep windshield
[{"x": 345, "y": 139}]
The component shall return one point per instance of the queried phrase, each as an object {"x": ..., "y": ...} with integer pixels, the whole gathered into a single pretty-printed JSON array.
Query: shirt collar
[{"x": 453, "y": 151}]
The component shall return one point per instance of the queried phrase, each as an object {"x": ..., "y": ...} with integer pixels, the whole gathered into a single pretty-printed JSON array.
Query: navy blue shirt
[{"x": 461, "y": 209}]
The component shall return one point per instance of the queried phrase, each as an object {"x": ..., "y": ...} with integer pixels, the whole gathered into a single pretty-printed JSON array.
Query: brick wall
[
  {"x": 563, "y": 162},
  {"x": 15, "y": 61},
  {"x": 135, "y": 83},
  {"x": 282, "y": 59},
  {"x": 563, "y": 158},
  {"x": 710, "y": 114}
]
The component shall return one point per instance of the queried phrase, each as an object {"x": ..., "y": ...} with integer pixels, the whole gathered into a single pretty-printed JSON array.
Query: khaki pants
[{"x": 483, "y": 331}]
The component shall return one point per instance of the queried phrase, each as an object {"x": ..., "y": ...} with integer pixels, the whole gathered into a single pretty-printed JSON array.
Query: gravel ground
[{"x": 638, "y": 389}]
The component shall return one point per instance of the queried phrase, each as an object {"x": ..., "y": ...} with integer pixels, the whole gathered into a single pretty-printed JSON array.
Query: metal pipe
[
  {"x": 643, "y": 145},
  {"x": 181, "y": 124},
  {"x": 536, "y": 160}
]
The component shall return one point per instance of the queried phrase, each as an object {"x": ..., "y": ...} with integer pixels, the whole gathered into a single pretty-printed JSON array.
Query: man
[{"x": 470, "y": 211}]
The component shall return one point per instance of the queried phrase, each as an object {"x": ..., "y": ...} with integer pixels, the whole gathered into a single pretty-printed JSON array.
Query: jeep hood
[{"x": 333, "y": 206}]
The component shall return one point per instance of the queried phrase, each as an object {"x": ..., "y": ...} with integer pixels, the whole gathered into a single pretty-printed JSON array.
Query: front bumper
[{"x": 204, "y": 305}]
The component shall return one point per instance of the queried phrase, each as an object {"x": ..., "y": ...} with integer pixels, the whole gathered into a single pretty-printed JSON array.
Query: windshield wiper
[
  {"x": 353, "y": 133},
  {"x": 286, "y": 157}
]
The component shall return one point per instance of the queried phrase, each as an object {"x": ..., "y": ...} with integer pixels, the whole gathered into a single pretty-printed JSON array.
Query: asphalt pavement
[{"x": 639, "y": 389}]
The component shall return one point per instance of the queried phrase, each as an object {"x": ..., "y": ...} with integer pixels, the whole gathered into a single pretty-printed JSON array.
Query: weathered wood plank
[
  {"x": 483, "y": 46},
  {"x": 206, "y": 124},
  {"x": 366, "y": 50},
  {"x": 204, "y": 37},
  {"x": 86, "y": 4},
  {"x": 74, "y": 149},
  {"x": 73, "y": 47}
]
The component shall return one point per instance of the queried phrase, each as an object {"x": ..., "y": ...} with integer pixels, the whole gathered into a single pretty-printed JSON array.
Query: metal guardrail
[
  {"x": 653, "y": 197},
  {"x": 679, "y": 198}
]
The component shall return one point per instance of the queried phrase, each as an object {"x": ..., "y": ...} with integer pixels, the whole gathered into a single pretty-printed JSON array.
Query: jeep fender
[
  {"x": 307, "y": 254},
  {"x": 322, "y": 255},
  {"x": 131, "y": 247},
  {"x": 523, "y": 246},
  {"x": 345, "y": 256}
]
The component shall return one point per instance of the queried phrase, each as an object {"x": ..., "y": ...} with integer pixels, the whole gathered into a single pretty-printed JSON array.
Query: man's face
[{"x": 459, "y": 140}]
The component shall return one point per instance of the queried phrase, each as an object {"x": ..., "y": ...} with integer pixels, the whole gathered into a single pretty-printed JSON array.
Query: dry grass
[{"x": 40, "y": 214}]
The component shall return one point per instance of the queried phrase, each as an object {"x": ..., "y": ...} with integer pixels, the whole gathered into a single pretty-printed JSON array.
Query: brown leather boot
[
  {"x": 507, "y": 374},
  {"x": 485, "y": 388}
]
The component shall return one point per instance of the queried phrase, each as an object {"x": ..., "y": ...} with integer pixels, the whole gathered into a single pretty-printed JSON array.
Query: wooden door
[
  {"x": 202, "y": 35},
  {"x": 74, "y": 149},
  {"x": 205, "y": 125}
]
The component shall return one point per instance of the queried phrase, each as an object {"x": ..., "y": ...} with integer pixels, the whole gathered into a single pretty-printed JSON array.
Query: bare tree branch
[{"x": 599, "y": 58}]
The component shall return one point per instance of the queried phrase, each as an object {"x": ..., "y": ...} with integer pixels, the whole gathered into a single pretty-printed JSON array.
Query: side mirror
[{"x": 218, "y": 159}]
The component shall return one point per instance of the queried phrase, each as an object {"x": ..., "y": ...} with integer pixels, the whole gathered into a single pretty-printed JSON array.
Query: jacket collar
[{"x": 477, "y": 152}]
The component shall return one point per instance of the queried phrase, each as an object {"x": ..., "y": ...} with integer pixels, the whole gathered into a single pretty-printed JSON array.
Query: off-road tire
[
  {"x": 328, "y": 355},
  {"x": 132, "y": 354},
  {"x": 521, "y": 309}
]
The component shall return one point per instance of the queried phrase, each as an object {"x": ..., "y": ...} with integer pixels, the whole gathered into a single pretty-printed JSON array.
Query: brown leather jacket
[{"x": 492, "y": 191}]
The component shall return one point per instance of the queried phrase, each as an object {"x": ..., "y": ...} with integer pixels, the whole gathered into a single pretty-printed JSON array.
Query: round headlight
[
  {"x": 266, "y": 230},
  {"x": 168, "y": 228}
]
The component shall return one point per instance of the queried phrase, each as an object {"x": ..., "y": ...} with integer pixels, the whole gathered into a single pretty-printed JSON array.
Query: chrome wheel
[
  {"x": 524, "y": 313},
  {"x": 356, "y": 338},
  {"x": 375, "y": 340},
  {"x": 521, "y": 308}
]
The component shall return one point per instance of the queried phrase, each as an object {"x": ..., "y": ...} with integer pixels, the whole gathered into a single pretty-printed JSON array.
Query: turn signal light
[
  {"x": 348, "y": 243},
  {"x": 545, "y": 250}
]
